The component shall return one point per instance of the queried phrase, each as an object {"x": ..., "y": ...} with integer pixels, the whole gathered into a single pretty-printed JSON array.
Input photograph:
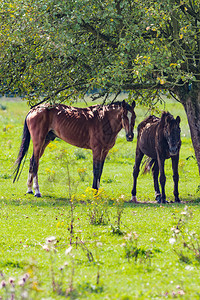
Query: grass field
[{"x": 119, "y": 250}]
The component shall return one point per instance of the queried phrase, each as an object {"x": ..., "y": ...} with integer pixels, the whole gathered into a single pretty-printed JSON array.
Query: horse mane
[
  {"x": 97, "y": 110},
  {"x": 101, "y": 110},
  {"x": 112, "y": 105},
  {"x": 165, "y": 115}
]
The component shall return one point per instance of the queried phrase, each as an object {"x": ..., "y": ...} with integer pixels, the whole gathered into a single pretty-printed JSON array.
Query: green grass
[{"x": 26, "y": 222}]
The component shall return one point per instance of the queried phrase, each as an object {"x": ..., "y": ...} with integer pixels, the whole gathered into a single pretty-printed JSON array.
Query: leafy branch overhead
[{"x": 59, "y": 48}]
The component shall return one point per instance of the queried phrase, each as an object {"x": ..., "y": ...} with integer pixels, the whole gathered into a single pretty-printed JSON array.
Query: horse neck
[
  {"x": 114, "y": 116},
  {"x": 160, "y": 134}
]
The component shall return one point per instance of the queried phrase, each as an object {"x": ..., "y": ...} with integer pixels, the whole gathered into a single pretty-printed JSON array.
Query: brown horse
[
  {"x": 95, "y": 127},
  {"x": 159, "y": 139}
]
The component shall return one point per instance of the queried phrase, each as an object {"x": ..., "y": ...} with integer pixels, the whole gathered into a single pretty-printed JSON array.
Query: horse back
[
  {"x": 81, "y": 127},
  {"x": 65, "y": 122}
]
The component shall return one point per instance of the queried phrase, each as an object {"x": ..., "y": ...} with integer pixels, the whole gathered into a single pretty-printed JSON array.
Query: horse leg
[
  {"x": 33, "y": 177},
  {"x": 30, "y": 176},
  {"x": 98, "y": 162},
  {"x": 136, "y": 169},
  {"x": 96, "y": 174},
  {"x": 155, "y": 171},
  {"x": 38, "y": 151},
  {"x": 175, "y": 160},
  {"x": 161, "y": 163}
]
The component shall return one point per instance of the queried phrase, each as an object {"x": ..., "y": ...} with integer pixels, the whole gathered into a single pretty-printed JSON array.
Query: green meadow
[{"x": 73, "y": 243}]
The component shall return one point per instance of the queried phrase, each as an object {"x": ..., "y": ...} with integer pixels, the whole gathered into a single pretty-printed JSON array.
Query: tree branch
[
  {"x": 102, "y": 36},
  {"x": 57, "y": 92},
  {"x": 188, "y": 9}
]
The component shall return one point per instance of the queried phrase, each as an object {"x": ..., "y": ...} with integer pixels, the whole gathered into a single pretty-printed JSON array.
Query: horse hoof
[
  {"x": 164, "y": 201},
  {"x": 134, "y": 199},
  {"x": 29, "y": 192},
  {"x": 177, "y": 200},
  {"x": 158, "y": 199},
  {"x": 38, "y": 195}
]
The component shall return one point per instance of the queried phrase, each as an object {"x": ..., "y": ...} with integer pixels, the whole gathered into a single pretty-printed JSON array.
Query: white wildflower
[
  {"x": 21, "y": 282},
  {"x": 45, "y": 247},
  {"x": 24, "y": 295},
  {"x": 68, "y": 250},
  {"x": 99, "y": 244},
  {"x": 172, "y": 241},
  {"x": 2, "y": 284},
  {"x": 189, "y": 268},
  {"x": 152, "y": 240},
  {"x": 51, "y": 240},
  {"x": 11, "y": 280}
]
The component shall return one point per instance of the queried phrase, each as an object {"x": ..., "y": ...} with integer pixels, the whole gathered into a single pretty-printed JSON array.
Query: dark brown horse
[
  {"x": 159, "y": 139},
  {"x": 95, "y": 127}
]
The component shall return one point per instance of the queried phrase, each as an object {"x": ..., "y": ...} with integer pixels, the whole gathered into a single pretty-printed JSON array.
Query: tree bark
[{"x": 191, "y": 102}]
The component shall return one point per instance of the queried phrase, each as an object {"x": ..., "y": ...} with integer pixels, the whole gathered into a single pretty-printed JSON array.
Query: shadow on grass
[
  {"x": 192, "y": 201},
  {"x": 12, "y": 264},
  {"x": 184, "y": 201},
  {"x": 52, "y": 200},
  {"x": 44, "y": 201}
]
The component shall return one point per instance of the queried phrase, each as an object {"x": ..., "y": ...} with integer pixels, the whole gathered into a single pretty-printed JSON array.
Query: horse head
[
  {"x": 128, "y": 119},
  {"x": 172, "y": 132}
]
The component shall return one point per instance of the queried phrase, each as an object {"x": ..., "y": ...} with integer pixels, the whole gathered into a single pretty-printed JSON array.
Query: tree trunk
[{"x": 191, "y": 102}]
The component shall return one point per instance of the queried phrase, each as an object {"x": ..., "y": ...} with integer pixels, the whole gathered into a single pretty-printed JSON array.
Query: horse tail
[
  {"x": 22, "y": 152},
  {"x": 148, "y": 165}
]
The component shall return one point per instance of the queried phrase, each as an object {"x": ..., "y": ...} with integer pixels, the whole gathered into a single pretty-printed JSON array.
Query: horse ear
[
  {"x": 178, "y": 120},
  {"x": 162, "y": 119},
  {"x": 124, "y": 104},
  {"x": 133, "y": 104}
]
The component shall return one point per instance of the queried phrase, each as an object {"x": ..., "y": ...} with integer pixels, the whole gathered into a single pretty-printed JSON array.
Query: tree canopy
[{"x": 59, "y": 48}]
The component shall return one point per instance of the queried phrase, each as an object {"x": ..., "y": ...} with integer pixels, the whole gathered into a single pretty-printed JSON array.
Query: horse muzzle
[
  {"x": 173, "y": 151},
  {"x": 129, "y": 137}
]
